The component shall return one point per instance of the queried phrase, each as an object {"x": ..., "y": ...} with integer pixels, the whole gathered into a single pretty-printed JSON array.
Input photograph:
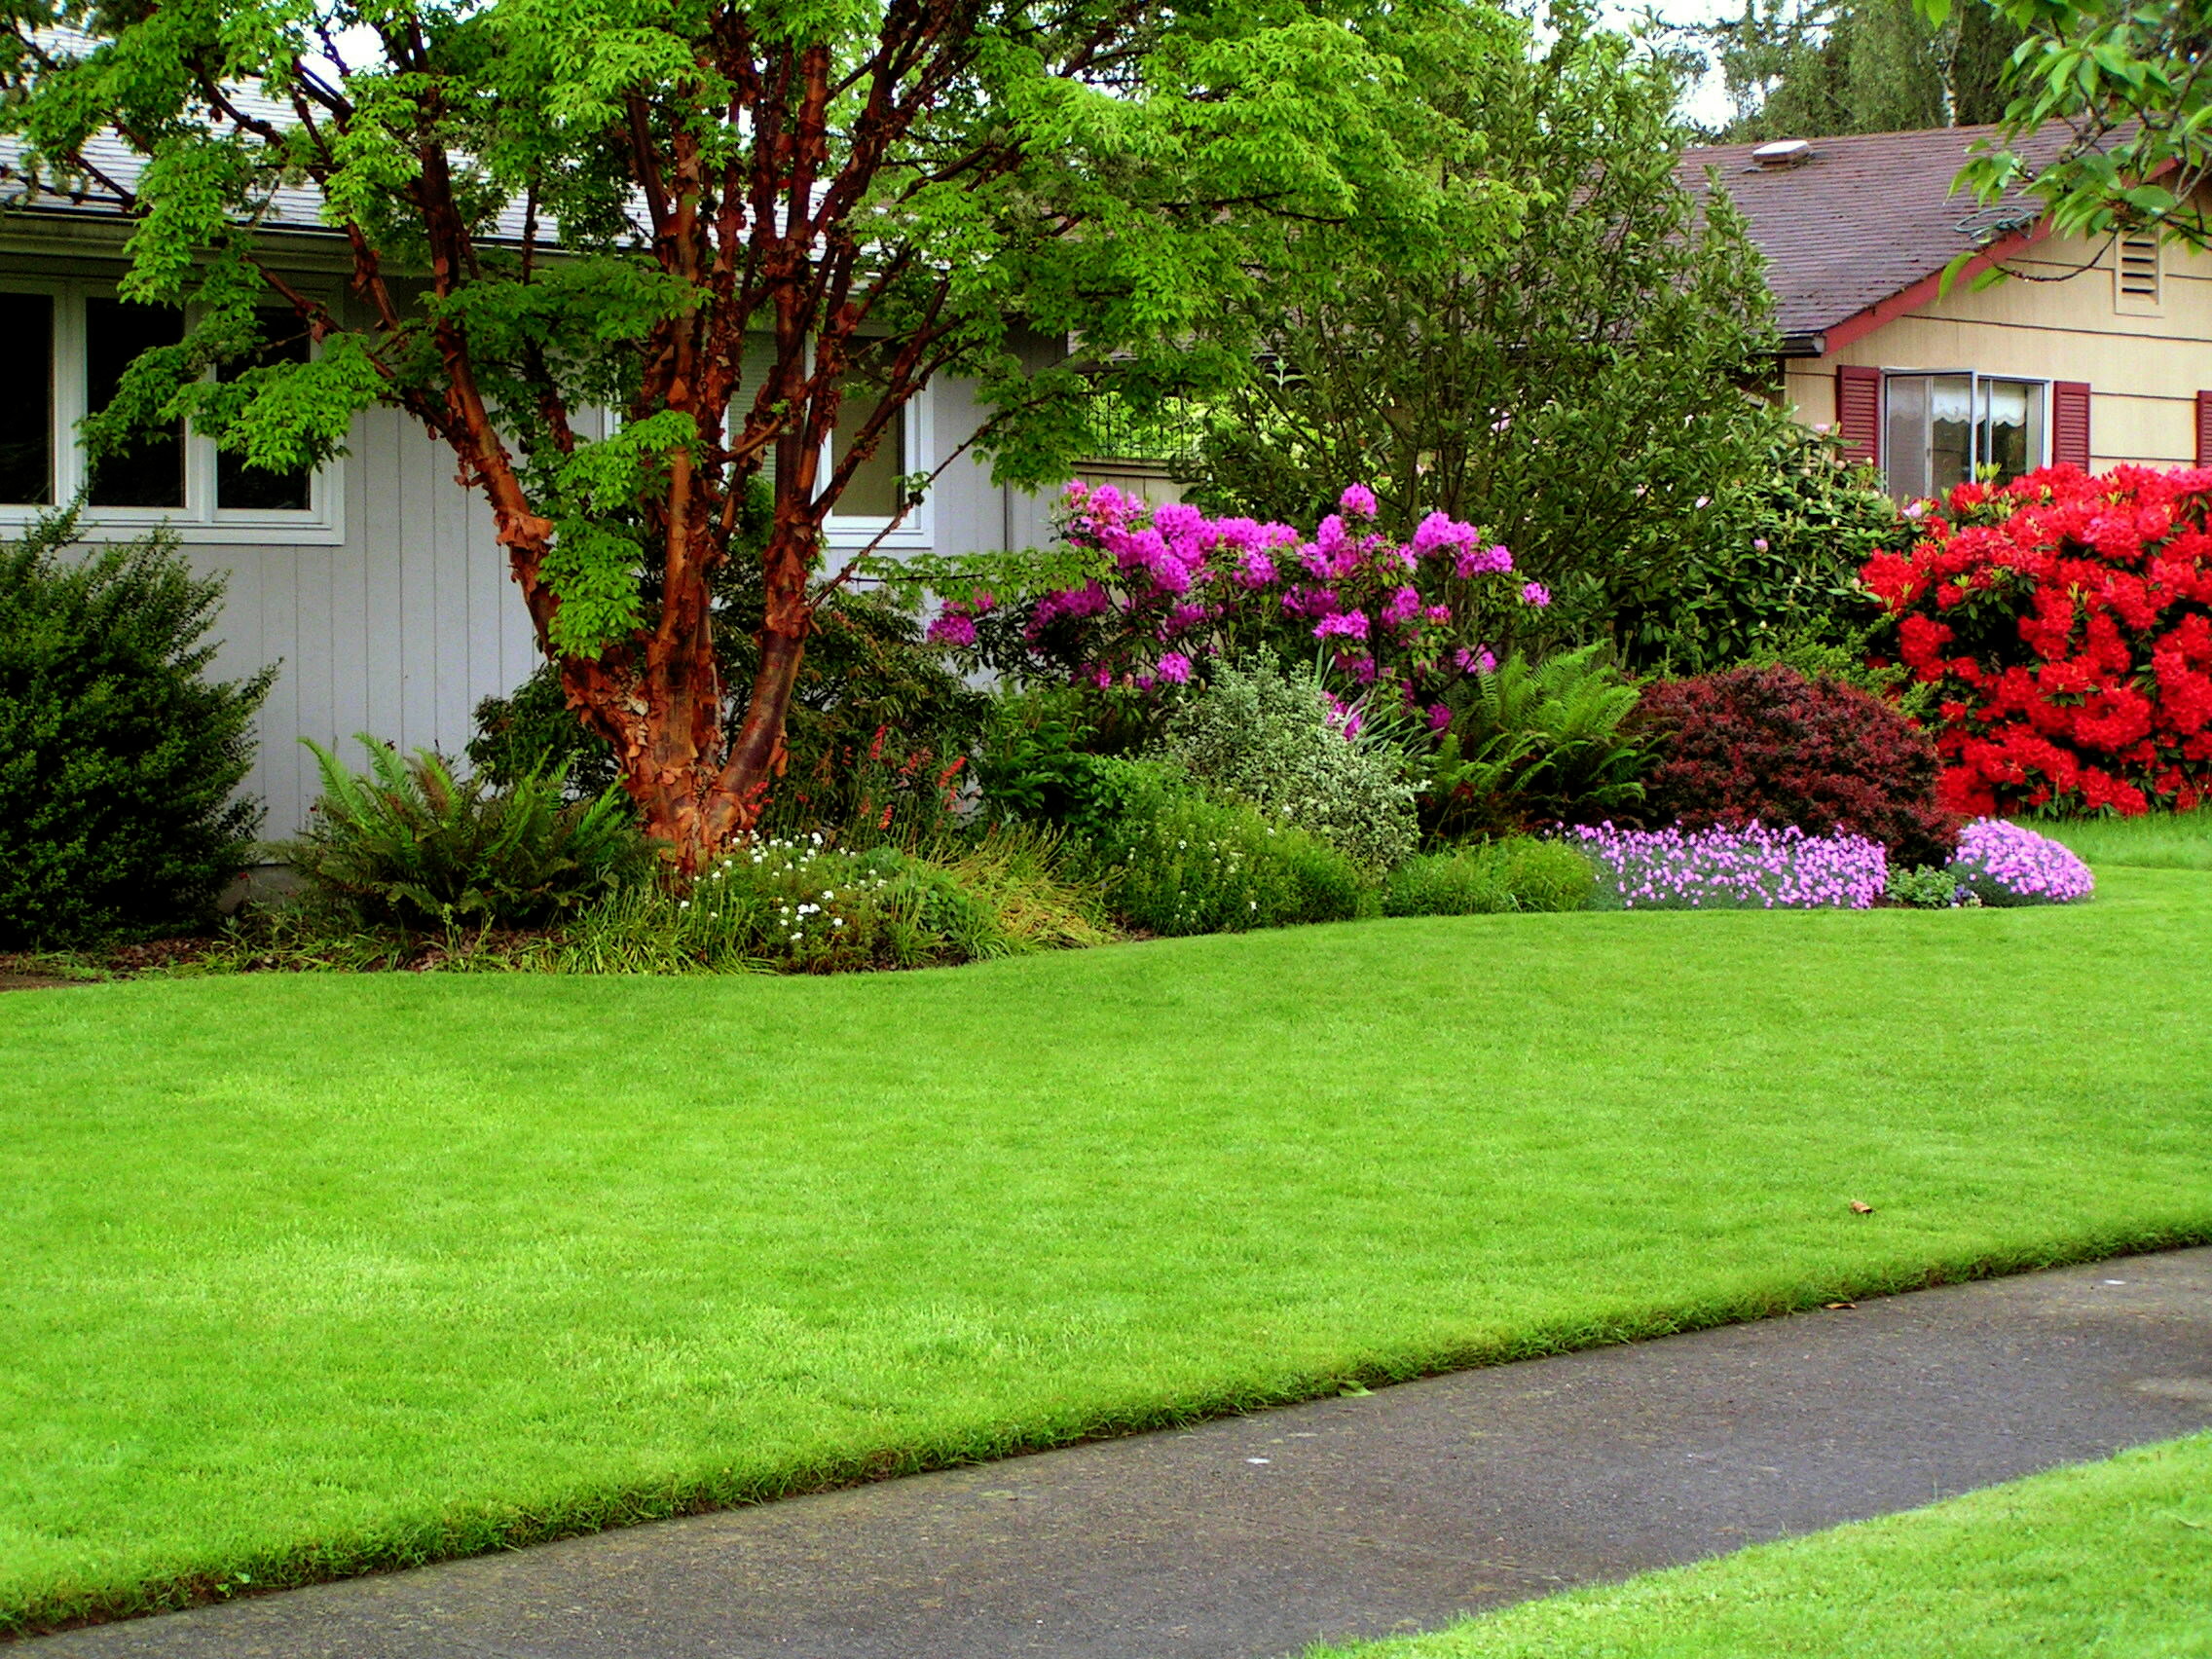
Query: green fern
[
  {"x": 409, "y": 842},
  {"x": 1536, "y": 742}
]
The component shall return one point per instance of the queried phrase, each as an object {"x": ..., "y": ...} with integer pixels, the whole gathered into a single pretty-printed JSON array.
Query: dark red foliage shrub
[
  {"x": 1767, "y": 745},
  {"x": 2066, "y": 622}
]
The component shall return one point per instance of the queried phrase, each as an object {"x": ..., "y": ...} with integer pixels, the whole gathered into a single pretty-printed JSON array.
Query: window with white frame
[
  {"x": 71, "y": 346},
  {"x": 872, "y": 499},
  {"x": 1947, "y": 428}
]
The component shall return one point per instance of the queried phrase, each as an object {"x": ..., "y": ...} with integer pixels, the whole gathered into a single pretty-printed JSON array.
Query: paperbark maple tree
[{"x": 626, "y": 257}]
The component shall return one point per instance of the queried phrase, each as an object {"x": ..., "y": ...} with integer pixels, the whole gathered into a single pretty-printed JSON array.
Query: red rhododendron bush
[{"x": 2066, "y": 622}]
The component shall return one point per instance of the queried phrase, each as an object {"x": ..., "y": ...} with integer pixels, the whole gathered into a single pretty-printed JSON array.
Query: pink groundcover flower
[{"x": 1753, "y": 868}]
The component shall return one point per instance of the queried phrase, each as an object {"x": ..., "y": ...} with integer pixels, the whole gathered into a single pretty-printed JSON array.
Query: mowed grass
[
  {"x": 2111, "y": 1558},
  {"x": 2161, "y": 840},
  {"x": 308, "y": 1274}
]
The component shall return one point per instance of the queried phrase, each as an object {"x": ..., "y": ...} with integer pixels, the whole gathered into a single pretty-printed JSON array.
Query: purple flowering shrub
[
  {"x": 2008, "y": 863},
  {"x": 1395, "y": 623},
  {"x": 1748, "y": 869}
]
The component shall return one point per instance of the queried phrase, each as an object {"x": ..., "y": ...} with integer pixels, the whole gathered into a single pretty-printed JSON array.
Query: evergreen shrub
[
  {"x": 1268, "y": 736},
  {"x": 120, "y": 758}
]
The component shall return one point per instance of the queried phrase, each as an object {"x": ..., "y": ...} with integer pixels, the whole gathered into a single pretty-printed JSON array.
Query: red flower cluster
[{"x": 2068, "y": 621}]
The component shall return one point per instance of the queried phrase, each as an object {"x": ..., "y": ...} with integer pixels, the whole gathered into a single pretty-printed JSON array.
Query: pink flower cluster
[
  {"x": 1732, "y": 869},
  {"x": 2010, "y": 864},
  {"x": 1176, "y": 585}
]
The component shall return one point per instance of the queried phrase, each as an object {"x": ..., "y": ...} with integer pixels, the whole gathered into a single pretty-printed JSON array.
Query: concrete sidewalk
[{"x": 1393, "y": 1511}]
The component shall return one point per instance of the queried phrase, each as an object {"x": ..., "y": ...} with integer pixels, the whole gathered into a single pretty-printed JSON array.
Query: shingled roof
[{"x": 1858, "y": 220}]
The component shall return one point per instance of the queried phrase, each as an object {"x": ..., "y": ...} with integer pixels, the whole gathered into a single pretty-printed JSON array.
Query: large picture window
[
  {"x": 1943, "y": 429},
  {"x": 68, "y": 347}
]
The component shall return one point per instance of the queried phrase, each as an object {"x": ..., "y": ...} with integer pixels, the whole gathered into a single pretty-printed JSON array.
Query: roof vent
[{"x": 1783, "y": 153}]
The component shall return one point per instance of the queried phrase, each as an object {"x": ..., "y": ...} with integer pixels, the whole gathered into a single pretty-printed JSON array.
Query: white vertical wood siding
[
  {"x": 405, "y": 627},
  {"x": 398, "y": 631}
]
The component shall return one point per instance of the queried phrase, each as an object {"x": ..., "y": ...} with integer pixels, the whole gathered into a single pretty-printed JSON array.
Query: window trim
[
  {"x": 200, "y": 520},
  {"x": 1975, "y": 378}
]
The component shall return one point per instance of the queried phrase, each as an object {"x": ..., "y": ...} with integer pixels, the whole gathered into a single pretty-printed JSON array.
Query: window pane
[
  {"x": 251, "y": 488},
  {"x": 1904, "y": 446},
  {"x": 151, "y": 473},
  {"x": 2012, "y": 439},
  {"x": 27, "y": 405},
  {"x": 1950, "y": 431},
  {"x": 874, "y": 493}
]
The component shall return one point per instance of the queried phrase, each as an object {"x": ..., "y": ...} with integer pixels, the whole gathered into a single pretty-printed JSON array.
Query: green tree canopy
[
  {"x": 2130, "y": 82},
  {"x": 1575, "y": 356},
  {"x": 1813, "y": 68},
  {"x": 719, "y": 220}
]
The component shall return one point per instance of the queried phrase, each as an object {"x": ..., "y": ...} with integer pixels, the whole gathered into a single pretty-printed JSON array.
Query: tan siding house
[{"x": 2097, "y": 354}]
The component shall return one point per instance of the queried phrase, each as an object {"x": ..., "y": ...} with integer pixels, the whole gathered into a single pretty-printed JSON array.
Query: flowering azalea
[{"x": 2066, "y": 621}]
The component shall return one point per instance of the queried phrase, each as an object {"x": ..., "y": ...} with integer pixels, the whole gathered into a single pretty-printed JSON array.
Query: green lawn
[
  {"x": 2161, "y": 840},
  {"x": 312, "y": 1273},
  {"x": 2110, "y": 1559}
]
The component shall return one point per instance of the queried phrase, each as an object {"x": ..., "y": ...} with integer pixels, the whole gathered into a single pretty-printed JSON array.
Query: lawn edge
[
  {"x": 459, "y": 1536},
  {"x": 1885, "y": 1523}
]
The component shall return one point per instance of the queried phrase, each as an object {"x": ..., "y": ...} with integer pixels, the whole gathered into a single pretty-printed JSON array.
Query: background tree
[
  {"x": 1812, "y": 68},
  {"x": 2131, "y": 81},
  {"x": 1572, "y": 359},
  {"x": 725, "y": 222}
]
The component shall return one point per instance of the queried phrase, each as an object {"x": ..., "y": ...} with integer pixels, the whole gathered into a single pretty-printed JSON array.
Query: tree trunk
[{"x": 660, "y": 707}]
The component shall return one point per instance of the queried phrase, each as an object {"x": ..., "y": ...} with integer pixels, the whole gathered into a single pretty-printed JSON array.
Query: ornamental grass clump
[
  {"x": 1750, "y": 869},
  {"x": 2008, "y": 863}
]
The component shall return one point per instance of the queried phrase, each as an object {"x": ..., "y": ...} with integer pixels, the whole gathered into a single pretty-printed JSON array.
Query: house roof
[{"x": 1859, "y": 219}]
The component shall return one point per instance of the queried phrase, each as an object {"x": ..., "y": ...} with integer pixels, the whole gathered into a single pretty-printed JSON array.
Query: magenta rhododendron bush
[{"x": 1171, "y": 585}]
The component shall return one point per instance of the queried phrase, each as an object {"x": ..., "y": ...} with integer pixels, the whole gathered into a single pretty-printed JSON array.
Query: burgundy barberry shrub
[{"x": 1769, "y": 746}]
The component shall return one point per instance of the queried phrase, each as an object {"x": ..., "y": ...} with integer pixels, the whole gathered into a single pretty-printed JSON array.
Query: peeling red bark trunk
[{"x": 763, "y": 236}]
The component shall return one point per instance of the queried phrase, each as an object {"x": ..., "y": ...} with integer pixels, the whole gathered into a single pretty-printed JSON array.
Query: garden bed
[{"x": 321, "y": 1273}]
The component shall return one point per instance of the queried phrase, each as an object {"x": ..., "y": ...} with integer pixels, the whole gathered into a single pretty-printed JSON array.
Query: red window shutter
[
  {"x": 1858, "y": 413},
  {"x": 2070, "y": 423},
  {"x": 2205, "y": 428}
]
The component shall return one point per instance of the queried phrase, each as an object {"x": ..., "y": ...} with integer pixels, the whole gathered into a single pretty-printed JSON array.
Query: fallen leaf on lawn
[{"x": 1857, "y": 1208}]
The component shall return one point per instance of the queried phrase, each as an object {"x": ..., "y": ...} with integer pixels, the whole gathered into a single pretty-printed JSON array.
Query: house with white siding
[
  {"x": 376, "y": 585},
  {"x": 374, "y": 581},
  {"x": 2093, "y": 353}
]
